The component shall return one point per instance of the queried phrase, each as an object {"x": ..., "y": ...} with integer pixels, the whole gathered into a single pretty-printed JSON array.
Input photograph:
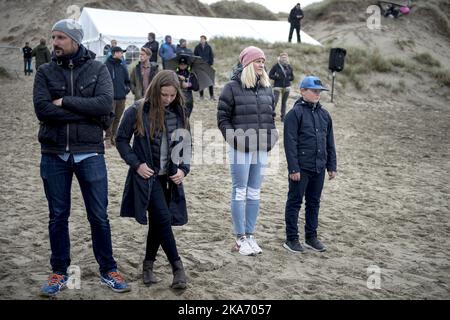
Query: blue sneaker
[
  {"x": 115, "y": 281},
  {"x": 55, "y": 283}
]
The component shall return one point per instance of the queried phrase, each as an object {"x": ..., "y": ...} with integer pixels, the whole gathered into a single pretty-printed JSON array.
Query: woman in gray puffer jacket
[{"x": 246, "y": 119}]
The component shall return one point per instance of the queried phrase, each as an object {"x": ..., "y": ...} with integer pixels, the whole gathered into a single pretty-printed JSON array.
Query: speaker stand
[{"x": 332, "y": 85}]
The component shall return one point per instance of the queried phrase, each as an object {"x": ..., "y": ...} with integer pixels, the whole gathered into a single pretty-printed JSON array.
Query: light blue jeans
[{"x": 247, "y": 171}]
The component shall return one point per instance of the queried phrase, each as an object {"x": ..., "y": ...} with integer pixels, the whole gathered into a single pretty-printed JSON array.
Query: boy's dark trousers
[{"x": 310, "y": 186}]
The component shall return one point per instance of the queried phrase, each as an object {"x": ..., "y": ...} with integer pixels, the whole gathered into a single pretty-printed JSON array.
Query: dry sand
[{"x": 389, "y": 207}]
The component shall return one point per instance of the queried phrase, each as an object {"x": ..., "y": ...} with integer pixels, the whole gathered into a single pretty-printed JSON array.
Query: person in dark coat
[
  {"x": 204, "y": 50},
  {"x": 121, "y": 83},
  {"x": 142, "y": 74},
  {"x": 310, "y": 150},
  {"x": 295, "y": 16},
  {"x": 182, "y": 48},
  {"x": 282, "y": 74},
  {"x": 153, "y": 45},
  {"x": 246, "y": 119},
  {"x": 159, "y": 161},
  {"x": 188, "y": 82},
  {"x": 41, "y": 53},
  {"x": 27, "y": 57},
  {"x": 72, "y": 98}
]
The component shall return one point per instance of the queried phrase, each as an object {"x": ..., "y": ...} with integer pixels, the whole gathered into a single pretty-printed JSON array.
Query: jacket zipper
[{"x": 71, "y": 90}]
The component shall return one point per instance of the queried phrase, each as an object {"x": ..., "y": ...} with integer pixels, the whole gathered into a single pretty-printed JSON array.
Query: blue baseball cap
[{"x": 311, "y": 82}]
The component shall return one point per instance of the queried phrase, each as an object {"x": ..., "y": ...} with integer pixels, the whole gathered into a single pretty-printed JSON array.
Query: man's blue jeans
[
  {"x": 92, "y": 177},
  {"x": 247, "y": 171},
  {"x": 27, "y": 65},
  {"x": 310, "y": 186}
]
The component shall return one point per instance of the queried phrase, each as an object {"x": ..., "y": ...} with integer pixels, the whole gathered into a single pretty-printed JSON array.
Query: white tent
[{"x": 131, "y": 28}]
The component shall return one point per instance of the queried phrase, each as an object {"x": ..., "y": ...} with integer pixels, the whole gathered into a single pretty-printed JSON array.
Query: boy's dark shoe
[
  {"x": 315, "y": 245},
  {"x": 293, "y": 246}
]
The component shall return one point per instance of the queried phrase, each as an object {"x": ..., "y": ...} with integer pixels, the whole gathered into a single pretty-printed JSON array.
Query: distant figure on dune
[
  {"x": 310, "y": 150},
  {"x": 41, "y": 53},
  {"x": 27, "y": 57},
  {"x": 154, "y": 183},
  {"x": 73, "y": 98},
  {"x": 282, "y": 74},
  {"x": 295, "y": 16},
  {"x": 246, "y": 119}
]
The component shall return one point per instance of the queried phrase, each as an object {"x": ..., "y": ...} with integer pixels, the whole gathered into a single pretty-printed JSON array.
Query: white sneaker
[
  {"x": 252, "y": 241},
  {"x": 243, "y": 247}
]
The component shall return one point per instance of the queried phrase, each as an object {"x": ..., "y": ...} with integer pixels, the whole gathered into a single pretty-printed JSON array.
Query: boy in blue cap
[{"x": 310, "y": 150}]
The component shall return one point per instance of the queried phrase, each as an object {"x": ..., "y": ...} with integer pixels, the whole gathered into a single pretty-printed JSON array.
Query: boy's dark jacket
[{"x": 308, "y": 138}]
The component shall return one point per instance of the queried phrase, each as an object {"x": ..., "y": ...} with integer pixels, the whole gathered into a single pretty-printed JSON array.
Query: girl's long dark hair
[{"x": 156, "y": 114}]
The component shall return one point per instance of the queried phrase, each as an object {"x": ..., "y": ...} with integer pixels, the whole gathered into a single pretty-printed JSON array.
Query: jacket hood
[{"x": 237, "y": 74}]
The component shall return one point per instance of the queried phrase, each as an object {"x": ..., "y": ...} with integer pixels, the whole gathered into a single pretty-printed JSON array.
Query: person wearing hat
[
  {"x": 121, "y": 84},
  {"x": 310, "y": 150},
  {"x": 295, "y": 17},
  {"x": 72, "y": 98},
  {"x": 282, "y": 75},
  {"x": 246, "y": 119},
  {"x": 188, "y": 82}
]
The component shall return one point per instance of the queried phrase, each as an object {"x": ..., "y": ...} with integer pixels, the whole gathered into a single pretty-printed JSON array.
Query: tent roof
[{"x": 133, "y": 27}]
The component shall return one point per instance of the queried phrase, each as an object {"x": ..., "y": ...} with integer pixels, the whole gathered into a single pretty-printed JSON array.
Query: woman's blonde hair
[
  {"x": 249, "y": 77},
  {"x": 156, "y": 115}
]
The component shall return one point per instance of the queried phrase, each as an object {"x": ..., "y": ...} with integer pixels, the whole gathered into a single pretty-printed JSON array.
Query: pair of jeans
[
  {"x": 160, "y": 227},
  {"x": 91, "y": 174},
  {"x": 310, "y": 186},
  {"x": 247, "y": 171},
  {"x": 118, "y": 109},
  {"x": 284, "y": 96},
  {"x": 297, "y": 30},
  {"x": 27, "y": 66}
]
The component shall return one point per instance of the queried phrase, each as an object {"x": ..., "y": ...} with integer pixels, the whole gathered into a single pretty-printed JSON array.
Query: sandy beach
[
  {"x": 389, "y": 207},
  {"x": 387, "y": 213}
]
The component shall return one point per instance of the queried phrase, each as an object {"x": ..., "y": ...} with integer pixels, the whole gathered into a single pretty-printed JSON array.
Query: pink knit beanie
[{"x": 250, "y": 54}]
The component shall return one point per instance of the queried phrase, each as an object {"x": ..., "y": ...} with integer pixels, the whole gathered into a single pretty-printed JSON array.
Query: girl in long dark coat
[{"x": 159, "y": 161}]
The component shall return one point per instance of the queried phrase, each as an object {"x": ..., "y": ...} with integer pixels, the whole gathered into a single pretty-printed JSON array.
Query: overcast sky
[{"x": 275, "y": 5}]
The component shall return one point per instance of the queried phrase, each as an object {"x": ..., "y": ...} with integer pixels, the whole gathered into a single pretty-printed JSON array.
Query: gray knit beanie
[{"x": 71, "y": 28}]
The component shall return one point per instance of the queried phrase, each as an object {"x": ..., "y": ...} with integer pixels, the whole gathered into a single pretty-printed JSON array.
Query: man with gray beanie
[{"x": 73, "y": 97}]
